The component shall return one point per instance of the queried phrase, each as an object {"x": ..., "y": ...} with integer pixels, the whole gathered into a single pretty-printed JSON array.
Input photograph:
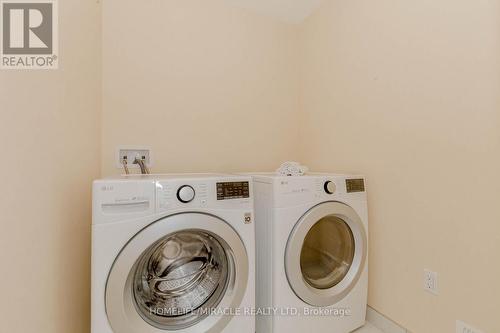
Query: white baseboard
[{"x": 383, "y": 323}]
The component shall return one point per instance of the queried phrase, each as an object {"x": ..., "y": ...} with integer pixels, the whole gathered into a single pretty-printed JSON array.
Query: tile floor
[{"x": 368, "y": 328}]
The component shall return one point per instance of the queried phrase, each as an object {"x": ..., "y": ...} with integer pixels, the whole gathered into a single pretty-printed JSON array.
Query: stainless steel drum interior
[{"x": 179, "y": 279}]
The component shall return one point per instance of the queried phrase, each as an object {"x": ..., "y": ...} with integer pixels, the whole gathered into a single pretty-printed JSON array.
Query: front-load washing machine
[
  {"x": 311, "y": 243},
  {"x": 173, "y": 253}
]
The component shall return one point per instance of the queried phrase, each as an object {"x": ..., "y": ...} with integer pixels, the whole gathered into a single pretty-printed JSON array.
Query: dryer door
[
  {"x": 326, "y": 254},
  {"x": 178, "y": 274}
]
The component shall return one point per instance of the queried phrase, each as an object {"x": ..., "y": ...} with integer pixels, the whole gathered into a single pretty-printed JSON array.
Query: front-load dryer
[
  {"x": 173, "y": 253},
  {"x": 312, "y": 246}
]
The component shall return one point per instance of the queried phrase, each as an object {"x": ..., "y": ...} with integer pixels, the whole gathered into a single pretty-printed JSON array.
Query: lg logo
[{"x": 29, "y": 34}]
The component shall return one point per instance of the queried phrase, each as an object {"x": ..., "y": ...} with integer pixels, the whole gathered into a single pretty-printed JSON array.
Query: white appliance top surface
[
  {"x": 308, "y": 174},
  {"x": 173, "y": 176}
]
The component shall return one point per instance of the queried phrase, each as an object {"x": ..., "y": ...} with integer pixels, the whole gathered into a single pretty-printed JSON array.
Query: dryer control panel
[
  {"x": 355, "y": 185},
  {"x": 313, "y": 188}
]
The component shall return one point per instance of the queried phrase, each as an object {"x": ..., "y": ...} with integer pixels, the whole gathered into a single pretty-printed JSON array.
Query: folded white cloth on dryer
[{"x": 292, "y": 169}]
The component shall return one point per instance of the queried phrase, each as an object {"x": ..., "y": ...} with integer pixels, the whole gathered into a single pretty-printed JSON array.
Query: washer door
[
  {"x": 179, "y": 274},
  {"x": 326, "y": 253}
]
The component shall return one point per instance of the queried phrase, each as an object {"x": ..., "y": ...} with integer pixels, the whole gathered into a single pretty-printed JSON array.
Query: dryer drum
[
  {"x": 179, "y": 276},
  {"x": 327, "y": 253}
]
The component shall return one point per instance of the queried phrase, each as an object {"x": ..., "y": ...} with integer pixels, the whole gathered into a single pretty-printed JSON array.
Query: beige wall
[
  {"x": 209, "y": 87},
  {"x": 49, "y": 130},
  {"x": 407, "y": 92}
]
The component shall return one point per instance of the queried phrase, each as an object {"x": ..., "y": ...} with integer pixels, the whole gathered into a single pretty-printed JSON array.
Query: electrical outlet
[
  {"x": 130, "y": 153},
  {"x": 431, "y": 281},
  {"x": 465, "y": 328}
]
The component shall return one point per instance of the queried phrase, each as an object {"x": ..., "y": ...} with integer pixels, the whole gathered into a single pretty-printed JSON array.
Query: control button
[
  {"x": 185, "y": 194},
  {"x": 330, "y": 187}
]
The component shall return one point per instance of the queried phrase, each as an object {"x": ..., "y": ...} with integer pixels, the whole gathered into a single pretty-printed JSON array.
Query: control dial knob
[
  {"x": 185, "y": 194},
  {"x": 330, "y": 187}
]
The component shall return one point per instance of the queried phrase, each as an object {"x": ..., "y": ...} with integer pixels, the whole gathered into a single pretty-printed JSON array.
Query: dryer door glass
[
  {"x": 327, "y": 253},
  {"x": 180, "y": 278}
]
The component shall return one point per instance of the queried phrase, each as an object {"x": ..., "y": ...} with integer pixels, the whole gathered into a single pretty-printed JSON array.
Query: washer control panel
[
  {"x": 203, "y": 193},
  {"x": 186, "y": 193},
  {"x": 233, "y": 190}
]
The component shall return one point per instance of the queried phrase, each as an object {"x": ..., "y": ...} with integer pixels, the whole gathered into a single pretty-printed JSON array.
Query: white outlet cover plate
[
  {"x": 465, "y": 328},
  {"x": 119, "y": 149},
  {"x": 430, "y": 281}
]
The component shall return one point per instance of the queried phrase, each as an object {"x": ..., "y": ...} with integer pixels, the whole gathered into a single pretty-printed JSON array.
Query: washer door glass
[
  {"x": 180, "y": 278},
  {"x": 178, "y": 274},
  {"x": 327, "y": 253}
]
